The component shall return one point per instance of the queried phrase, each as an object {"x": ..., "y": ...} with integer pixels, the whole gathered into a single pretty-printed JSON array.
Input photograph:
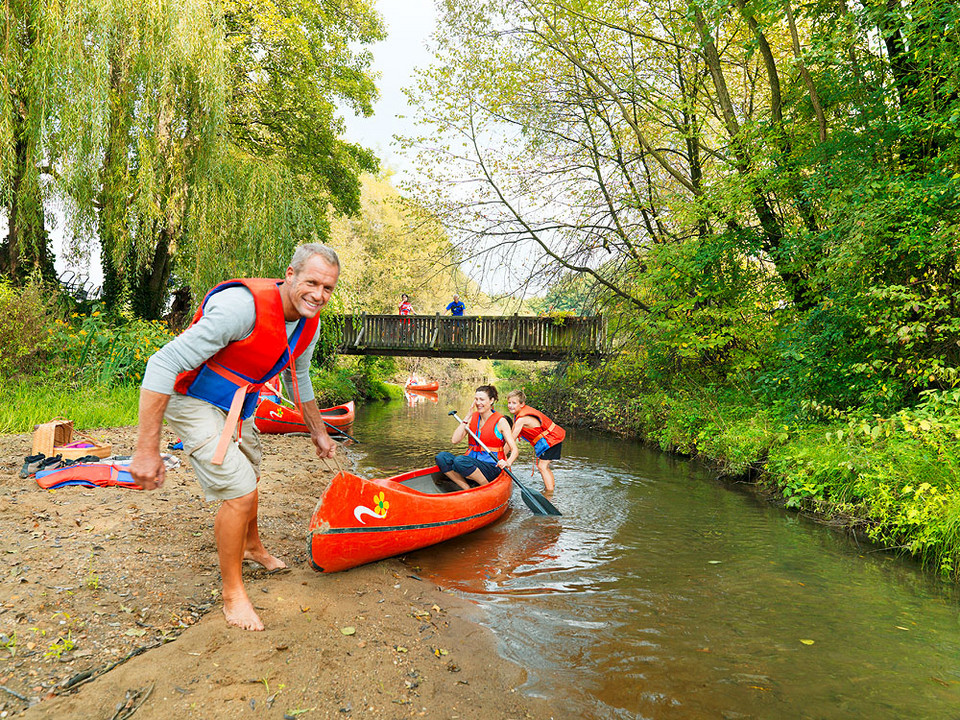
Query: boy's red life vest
[
  {"x": 232, "y": 378},
  {"x": 488, "y": 435},
  {"x": 545, "y": 429}
]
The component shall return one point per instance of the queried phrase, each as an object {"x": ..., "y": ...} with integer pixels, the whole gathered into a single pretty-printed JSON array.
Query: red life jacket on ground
[
  {"x": 545, "y": 429},
  {"x": 232, "y": 378},
  {"x": 488, "y": 435}
]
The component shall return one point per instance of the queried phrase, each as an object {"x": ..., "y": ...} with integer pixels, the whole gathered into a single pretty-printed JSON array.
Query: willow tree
[
  {"x": 48, "y": 120},
  {"x": 285, "y": 167},
  {"x": 165, "y": 107}
]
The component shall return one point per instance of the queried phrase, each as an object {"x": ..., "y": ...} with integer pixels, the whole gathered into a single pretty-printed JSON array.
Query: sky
[{"x": 409, "y": 25}]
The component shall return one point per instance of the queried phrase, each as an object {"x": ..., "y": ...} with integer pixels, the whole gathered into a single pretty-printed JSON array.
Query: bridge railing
[{"x": 473, "y": 336}]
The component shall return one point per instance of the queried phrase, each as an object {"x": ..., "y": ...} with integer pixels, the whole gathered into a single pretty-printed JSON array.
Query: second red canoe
[{"x": 274, "y": 419}]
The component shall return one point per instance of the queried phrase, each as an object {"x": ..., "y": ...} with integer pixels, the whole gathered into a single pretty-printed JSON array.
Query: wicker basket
[{"x": 56, "y": 438}]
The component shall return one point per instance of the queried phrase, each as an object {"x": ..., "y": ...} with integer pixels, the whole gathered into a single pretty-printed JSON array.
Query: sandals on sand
[{"x": 31, "y": 464}]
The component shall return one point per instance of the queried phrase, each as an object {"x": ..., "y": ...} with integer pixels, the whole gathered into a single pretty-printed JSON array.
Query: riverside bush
[
  {"x": 27, "y": 315},
  {"x": 896, "y": 478},
  {"x": 354, "y": 378},
  {"x": 96, "y": 350}
]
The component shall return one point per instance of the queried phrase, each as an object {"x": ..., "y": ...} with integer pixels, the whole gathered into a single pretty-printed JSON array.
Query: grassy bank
[
  {"x": 895, "y": 479},
  {"x": 32, "y": 399}
]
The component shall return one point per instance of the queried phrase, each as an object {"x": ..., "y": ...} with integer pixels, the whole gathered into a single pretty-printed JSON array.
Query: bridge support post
[
  {"x": 436, "y": 332},
  {"x": 363, "y": 326}
]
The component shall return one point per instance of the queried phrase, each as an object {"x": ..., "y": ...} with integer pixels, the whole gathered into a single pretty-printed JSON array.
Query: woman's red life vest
[
  {"x": 545, "y": 428},
  {"x": 232, "y": 378},
  {"x": 487, "y": 435}
]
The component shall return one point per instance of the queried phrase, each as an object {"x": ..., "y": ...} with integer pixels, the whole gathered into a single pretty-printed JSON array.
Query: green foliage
[
  {"x": 385, "y": 250},
  {"x": 292, "y": 63},
  {"x": 353, "y": 378},
  {"x": 819, "y": 360},
  {"x": 194, "y": 140},
  {"x": 711, "y": 311},
  {"x": 99, "y": 350},
  {"x": 770, "y": 197},
  {"x": 897, "y": 477},
  {"x": 25, "y": 332},
  {"x": 9, "y": 643},
  {"x": 60, "y": 646},
  {"x": 282, "y": 166},
  {"x": 331, "y": 333}
]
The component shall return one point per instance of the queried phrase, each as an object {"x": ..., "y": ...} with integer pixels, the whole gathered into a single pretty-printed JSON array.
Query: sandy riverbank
[{"x": 93, "y": 577}]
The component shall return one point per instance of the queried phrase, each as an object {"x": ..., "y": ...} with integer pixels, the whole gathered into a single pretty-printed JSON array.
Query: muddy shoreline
[{"x": 114, "y": 593}]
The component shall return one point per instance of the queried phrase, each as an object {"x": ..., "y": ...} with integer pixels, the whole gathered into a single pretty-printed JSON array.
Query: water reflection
[
  {"x": 414, "y": 396},
  {"x": 660, "y": 593},
  {"x": 490, "y": 561}
]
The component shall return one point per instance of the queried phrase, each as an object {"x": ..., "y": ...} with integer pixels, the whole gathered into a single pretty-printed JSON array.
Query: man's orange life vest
[
  {"x": 232, "y": 378},
  {"x": 545, "y": 429},
  {"x": 488, "y": 435}
]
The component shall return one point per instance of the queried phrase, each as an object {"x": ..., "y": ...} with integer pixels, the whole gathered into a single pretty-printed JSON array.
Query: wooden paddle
[{"x": 534, "y": 500}]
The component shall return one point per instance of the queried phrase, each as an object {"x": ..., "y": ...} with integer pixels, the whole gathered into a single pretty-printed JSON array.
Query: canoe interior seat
[{"x": 434, "y": 484}]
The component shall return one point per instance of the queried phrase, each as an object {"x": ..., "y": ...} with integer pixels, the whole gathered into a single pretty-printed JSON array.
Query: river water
[{"x": 661, "y": 593}]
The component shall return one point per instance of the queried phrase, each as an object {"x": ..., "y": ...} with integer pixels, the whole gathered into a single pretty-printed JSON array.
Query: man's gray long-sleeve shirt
[{"x": 228, "y": 316}]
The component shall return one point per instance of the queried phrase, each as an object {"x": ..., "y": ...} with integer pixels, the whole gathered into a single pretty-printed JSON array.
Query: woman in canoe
[
  {"x": 540, "y": 431},
  {"x": 494, "y": 431}
]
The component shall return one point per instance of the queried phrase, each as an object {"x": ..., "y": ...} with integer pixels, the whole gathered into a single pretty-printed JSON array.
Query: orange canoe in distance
[
  {"x": 359, "y": 521},
  {"x": 423, "y": 387},
  {"x": 274, "y": 419}
]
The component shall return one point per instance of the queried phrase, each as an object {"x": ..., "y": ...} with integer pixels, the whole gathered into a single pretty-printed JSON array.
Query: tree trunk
[
  {"x": 805, "y": 74},
  {"x": 149, "y": 292},
  {"x": 26, "y": 249},
  {"x": 772, "y": 229},
  {"x": 111, "y": 199}
]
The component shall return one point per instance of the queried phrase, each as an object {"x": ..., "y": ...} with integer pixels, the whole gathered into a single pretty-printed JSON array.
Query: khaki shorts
[{"x": 199, "y": 425}]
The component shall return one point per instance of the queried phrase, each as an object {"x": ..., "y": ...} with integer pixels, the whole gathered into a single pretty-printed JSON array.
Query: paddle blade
[
  {"x": 534, "y": 500},
  {"x": 531, "y": 502},
  {"x": 545, "y": 506}
]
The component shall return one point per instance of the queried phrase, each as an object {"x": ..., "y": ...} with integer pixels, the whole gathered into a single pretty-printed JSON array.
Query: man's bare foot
[
  {"x": 241, "y": 614},
  {"x": 264, "y": 558}
]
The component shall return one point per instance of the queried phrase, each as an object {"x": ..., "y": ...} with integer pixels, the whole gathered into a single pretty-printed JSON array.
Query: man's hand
[
  {"x": 147, "y": 469},
  {"x": 326, "y": 448},
  {"x": 146, "y": 466}
]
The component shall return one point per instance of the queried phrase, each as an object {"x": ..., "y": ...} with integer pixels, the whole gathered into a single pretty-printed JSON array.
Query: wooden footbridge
[{"x": 506, "y": 337}]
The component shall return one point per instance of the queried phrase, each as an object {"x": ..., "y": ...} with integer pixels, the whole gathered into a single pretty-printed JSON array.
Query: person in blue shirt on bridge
[{"x": 457, "y": 307}]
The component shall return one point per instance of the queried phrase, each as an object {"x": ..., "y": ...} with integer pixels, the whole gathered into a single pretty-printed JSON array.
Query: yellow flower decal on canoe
[{"x": 380, "y": 504}]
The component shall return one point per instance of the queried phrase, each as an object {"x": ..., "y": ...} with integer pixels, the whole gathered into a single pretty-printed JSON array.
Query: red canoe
[
  {"x": 358, "y": 521},
  {"x": 423, "y": 387},
  {"x": 275, "y": 419}
]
